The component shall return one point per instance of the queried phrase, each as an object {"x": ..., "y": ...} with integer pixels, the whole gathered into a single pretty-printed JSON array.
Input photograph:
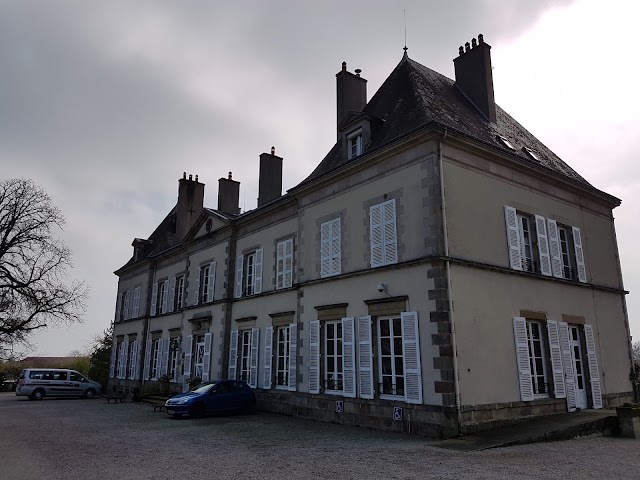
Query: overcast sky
[{"x": 105, "y": 104}]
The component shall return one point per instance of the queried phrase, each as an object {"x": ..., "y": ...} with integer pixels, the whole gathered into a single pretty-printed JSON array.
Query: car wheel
[
  {"x": 90, "y": 393},
  {"x": 197, "y": 410},
  {"x": 37, "y": 394}
]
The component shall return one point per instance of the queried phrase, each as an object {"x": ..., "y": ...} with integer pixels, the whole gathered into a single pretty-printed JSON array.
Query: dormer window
[{"x": 354, "y": 144}]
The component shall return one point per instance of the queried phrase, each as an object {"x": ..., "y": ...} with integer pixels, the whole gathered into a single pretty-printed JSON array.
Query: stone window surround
[
  {"x": 396, "y": 195},
  {"x": 344, "y": 239}
]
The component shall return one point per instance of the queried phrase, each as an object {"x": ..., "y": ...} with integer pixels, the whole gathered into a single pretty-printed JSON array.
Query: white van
[{"x": 36, "y": 383}]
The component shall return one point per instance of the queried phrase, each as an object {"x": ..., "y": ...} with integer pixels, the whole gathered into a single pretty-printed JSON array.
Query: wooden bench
[{"x": 118, "y": 397}]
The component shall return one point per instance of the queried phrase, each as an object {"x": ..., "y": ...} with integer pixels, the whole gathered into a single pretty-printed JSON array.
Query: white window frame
[
  {"x": 173, "y": 358},
  {"x": 525, "y": 229},
  {"x": 282, "y": 352},
  {"x": 249, "y": 273},
  {"x": 156, "y": 359},
  {"x": 180, "y": 292},
  {"x": 244, "y": 354},
  {"x": 338, "y": 358},
  {"x": 394, "y": 355},
  {"x": 204, "y": 284},
  {"x": 535, "y": 374},
  {"x": 354, "y": 144},
  {"x": 162, "y": 297}
]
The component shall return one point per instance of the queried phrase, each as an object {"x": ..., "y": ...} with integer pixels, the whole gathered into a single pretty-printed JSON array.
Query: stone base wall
[
  {"x": 615, "y": 399},
  {"x": 476, "y": 418},
  {"x": 425, "y": 420},
  {"x": 127, "y": 386}
]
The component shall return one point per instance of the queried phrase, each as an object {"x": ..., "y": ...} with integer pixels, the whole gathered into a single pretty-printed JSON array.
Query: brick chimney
[
  {"x": 228, "y": 195},
  {"x": 270, "y": 184},
  {"x": 351, "y": 92},
  {"x": 190, "y": 203},
  {"x": 474, "y": 76}
]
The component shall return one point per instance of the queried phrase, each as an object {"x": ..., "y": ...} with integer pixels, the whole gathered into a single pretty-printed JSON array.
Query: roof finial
[{"x": 404, "y": 11}]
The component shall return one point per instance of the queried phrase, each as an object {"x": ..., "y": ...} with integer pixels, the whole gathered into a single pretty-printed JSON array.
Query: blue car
[{"x": 220, "y": 396}]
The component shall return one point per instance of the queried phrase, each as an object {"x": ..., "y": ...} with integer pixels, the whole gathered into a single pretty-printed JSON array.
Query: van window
[
  {"x": 76, "y": 377},
  {"x": 37, "y": 375},
  {"x": 59, "y": 375}
]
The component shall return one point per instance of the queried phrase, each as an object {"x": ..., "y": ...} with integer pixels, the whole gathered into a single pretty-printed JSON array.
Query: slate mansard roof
[{"x": 415, "y": 97}]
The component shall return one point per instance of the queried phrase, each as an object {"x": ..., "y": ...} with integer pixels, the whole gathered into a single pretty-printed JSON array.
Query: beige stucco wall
[
  {"x": 485, "y": 303},
  {"x": 202, "y": 257},
  {"x": 476, "y": 229}
]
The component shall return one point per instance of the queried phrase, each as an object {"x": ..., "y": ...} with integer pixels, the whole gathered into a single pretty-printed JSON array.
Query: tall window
[
  {"x": 204, "y": 283},
  {"x": 156, "y": 358},
  {"x": 162, "y": 297},
  {"x": 284, "y": 264},
  {"x": 245, "y": 354},
  {"x": 132, "y": 359},
  {"x": 383, "y": 235},
  {"x": 565, "y": 252},
  {"x": 282, "y": 357},
  {"x": 250, "y": 273},
  {"x": 173, "y": 358},
  {"x": 390, "y": 361},
  {"x": 537, "y": 358},
  {"x": 333, "y": 356},
  {"x": 180, "y": 293},
  {"x": 198, "y": 356},
  {"x": 526, "y": 243}
]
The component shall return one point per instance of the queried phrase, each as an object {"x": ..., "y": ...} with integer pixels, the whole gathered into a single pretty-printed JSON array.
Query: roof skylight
[
  {"x": 506, "y": 142},
  {"x": 531, "y": 153}
]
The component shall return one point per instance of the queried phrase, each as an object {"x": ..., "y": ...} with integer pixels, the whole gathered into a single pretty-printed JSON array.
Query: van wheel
[
  {"x": 90, "y": 393},
  {"x": 37, "y": 395}
]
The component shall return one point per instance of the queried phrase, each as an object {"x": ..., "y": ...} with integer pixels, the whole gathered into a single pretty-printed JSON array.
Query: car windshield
[{"x": 202, "y": 388}]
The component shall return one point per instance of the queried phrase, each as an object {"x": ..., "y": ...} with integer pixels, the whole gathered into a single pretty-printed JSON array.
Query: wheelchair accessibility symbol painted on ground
[
  {"x": 339, "y": 406},
  {"x": 397, "y": 413}
]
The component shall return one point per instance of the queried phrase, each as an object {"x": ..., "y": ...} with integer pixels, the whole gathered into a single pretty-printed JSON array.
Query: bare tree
[
  {"x": 635, "y": 349},
  {"x": 34, "y": 292}
]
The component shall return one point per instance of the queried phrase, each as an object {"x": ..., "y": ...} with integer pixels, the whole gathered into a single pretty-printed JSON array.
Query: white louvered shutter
[
  {"x": 133, "y": 361},
  {"x": 125, "y": 358},
  {"x": 268, "y": 358},
  {"x": 154, "y": 299},
  {"x": 390, "y": 232},
  {"x": 258, "y": 271},
  {"x": 138, "y": 357},
  {"x": 365, "y": 358},
  {"x": 335, "y": 266},
  {"x": 567, "y": 364},
  {"x": 543, "y": 246},
  {"x": 165, "y": 297},
  {"x": 314, "y": 356},
  {"x": 348, "y": 357},
  {"x": 325, "y": 249},
  {"x": 411, "y": 357},
  {"x": 253, "y": 360},
  {"x": 164, "y": 359},
  {"x": 280, "y": 265},
  {"x": 177, "y": 375},
  {"x": 136, "y": 303},
  {"x": 212, "y": 281},
  {"x": 147, "y": 358},
  {"x": 112, "y": 364},
  {"x": 233, "y": 354},
  {"x": 555, "y": 353},
  {"x": 119, "y": 366},
  {"x": 171, "y": 301},
  {"x": 293, "y": 357},
  {"x": 577, "y": 243},
  {"x": 594, "y": 374},
  {"x": 196, "y": 292},
  {"x": 513, "y": 237},
  {"x": 288, "y": 263},
  {"x": 206, "y": 360},
  {"x": 187, "y": 349},
  {"x": 522, "y": 358},
  {"x": 377, "y": 236},
  {"x": 554, "y": 249},
  {"x": 239, "y": 271},
  {"x": 127, "y": 304},
  {"x": 119, "y": 300}
]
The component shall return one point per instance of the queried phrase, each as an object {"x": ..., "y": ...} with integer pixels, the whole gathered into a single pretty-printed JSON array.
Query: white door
[
  {"x": 578, "y": 367},
  {"x": 198, "y": 356}
]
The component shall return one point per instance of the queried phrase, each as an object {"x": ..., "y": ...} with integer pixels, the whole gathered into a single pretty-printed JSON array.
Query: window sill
[
  {"x": 334, "y": 392},
  {"x": 392, "y": 397},
  {"x": 282, "y": 387}
]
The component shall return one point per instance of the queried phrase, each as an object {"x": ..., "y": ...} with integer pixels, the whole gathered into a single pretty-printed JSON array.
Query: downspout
[{"x": 456, "y": 378}]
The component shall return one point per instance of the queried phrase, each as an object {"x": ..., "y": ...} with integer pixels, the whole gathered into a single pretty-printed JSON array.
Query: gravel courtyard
[{"x": 88, "y": 439}]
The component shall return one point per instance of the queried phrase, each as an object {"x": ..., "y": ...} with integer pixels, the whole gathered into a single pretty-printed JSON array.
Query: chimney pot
[
  {"x": 184, "y": 175},
  {"x": 230, "y": 176},
  {"x": 344, "y": 66},
  {"x": 358, "y": 72},
  {"x": 196, "y": 178},
  {"x": 473, "y": 43},
  {"x": 190, "y": 177},
  {"x": 480, "y": 38},
  {"x": 273, "y": 150},
  {"x": 467, "y": 47},
  {"x": 460, "y": 50}
]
